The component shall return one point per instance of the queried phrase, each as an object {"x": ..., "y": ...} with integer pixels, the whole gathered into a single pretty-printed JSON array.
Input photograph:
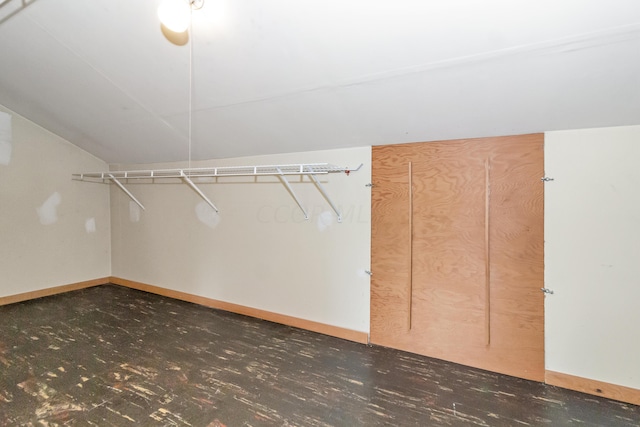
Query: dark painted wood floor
[{"x": 112, "y": 356}]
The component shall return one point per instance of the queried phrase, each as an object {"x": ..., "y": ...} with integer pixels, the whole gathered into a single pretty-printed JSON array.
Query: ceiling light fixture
[
  {"x": 182, "y": 9},
  {"x": 176, "y": 14}
]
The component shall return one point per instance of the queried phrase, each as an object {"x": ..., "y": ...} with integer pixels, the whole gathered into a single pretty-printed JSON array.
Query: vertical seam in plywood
[
  {"x": 487, "y": 242},
  {"x": 410, "y": 313}
]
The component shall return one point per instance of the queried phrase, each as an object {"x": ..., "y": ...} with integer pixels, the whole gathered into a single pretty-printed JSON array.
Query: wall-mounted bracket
[
  {"x": 123, "y": 188},
  {"x": 197, "y": 190},
  {"x": 324, "y": 193},
  {"x": 284, "y": 180}
]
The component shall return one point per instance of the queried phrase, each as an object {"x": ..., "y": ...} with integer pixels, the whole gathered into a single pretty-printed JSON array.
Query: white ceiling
[{"x": 272, "y": 76}]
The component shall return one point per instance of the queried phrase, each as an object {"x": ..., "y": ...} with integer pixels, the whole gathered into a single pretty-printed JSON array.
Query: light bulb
[{"x": 175, "y": 14}]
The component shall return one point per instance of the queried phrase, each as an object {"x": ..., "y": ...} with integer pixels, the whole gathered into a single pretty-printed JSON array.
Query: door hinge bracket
[
  {"x": 546, "y": 179},
  {"x": 547, "y": 291}
]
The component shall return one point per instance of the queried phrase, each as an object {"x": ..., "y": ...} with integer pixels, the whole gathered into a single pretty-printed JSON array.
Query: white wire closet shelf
[
  {"x": 264, "y": 170},
  {"x": 186, "y": 175}
]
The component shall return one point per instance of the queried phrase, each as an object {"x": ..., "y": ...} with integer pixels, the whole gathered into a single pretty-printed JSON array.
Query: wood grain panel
[
  {"x": 468, "y": 280},
  {"x": 596, "y": 388},
  {"x": 517, "y": 249},
  {"x": 448, "y": 241},
  {"x": 391, "y": 275}
]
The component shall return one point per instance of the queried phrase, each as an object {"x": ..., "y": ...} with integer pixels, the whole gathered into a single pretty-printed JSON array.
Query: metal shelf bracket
[
  {"x": 197, "y": 190},
  {"x": 123, "y": 188},
  {"x": 285, "y": 181},
  {"x": 324, "y": 193}
]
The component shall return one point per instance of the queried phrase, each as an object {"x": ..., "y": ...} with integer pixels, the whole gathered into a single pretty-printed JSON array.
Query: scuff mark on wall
[
  {"x": 362, "y": 273},
  {"x": 325, "y": 220},
  {"x": 48, "y": 212},
  {"x": 207, "y": 215},
  {"x": 5, "y": 138},
  {"x": 90, "y": 225},
  {"x": 134, "y": 211}
]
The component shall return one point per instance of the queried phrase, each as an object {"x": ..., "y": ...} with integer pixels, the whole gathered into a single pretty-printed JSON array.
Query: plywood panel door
[
  {"x": 391, "y": 250},
  {"x": 457, "y": 252},
  {"x": 449, "y": 266},
  {"x": 517, "y": 256}
]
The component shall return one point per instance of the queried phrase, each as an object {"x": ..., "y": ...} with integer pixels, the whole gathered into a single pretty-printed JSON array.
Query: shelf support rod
[
  {"x": 284, "y": 180},
  {"x": 197, "y": 190},
  {"x": 123, "y": 188},
  {"x": 324, "y": 193}
]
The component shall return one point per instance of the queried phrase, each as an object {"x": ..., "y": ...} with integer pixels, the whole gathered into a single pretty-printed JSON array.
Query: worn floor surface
[{"x": 112, "y": 356}]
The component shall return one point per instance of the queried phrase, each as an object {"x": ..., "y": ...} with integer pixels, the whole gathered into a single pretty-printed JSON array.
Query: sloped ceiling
[{"x": 272, "y": 76}]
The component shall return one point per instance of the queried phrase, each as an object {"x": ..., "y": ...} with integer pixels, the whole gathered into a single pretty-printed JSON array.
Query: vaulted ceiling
[{"x": 272, "y": 76}]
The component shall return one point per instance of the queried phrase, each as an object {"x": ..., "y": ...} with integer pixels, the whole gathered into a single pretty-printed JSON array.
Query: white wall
[
  {"x": 46, "y": 218},
  {"x": 258, "y": 251},
  {"x": 592, "y": 254}
]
